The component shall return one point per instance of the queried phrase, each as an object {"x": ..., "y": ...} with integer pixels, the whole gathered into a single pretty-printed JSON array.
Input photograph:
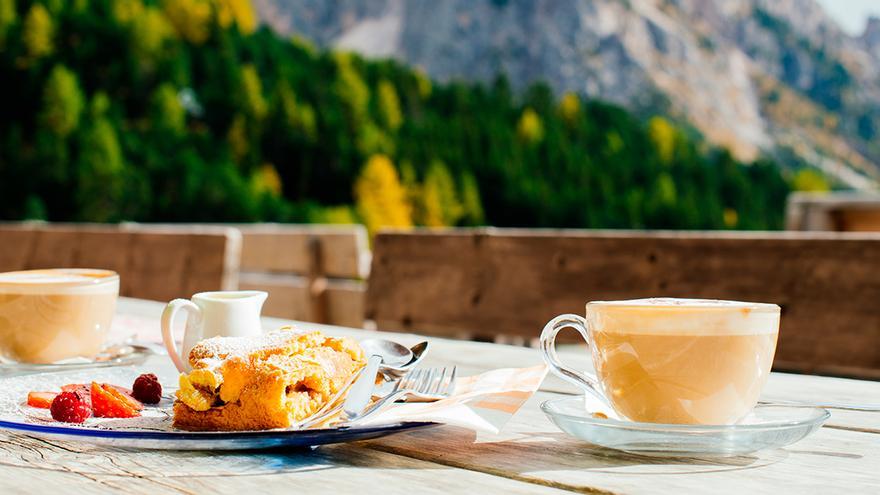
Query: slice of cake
[{"x": 271, "y": 381}]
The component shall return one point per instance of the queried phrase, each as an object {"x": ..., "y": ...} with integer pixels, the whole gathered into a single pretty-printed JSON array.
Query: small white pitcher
[{"x": 212, "y": 314}]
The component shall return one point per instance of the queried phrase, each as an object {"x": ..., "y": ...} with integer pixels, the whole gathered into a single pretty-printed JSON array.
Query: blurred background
[{"x": 683, "y": 114}]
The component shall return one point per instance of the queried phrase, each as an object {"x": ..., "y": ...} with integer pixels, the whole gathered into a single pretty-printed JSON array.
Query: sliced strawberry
[
  {"x": 107, "y": 402},
  {"x": 124, "y": 395},
  {"x": 43, "y": 400}
]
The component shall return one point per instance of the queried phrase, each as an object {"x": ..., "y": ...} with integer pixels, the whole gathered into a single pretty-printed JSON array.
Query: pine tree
[
  {"x": 101, "y": 167},
  {"x": 166, "y": 113},
  {"x": 472, "y": 204},
  {"x": 389, "y": 106}
]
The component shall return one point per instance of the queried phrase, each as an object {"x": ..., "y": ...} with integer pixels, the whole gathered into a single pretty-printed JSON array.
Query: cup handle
[
  {"x": 584, "y": 381},
  {"x": 168, "y": 335}
]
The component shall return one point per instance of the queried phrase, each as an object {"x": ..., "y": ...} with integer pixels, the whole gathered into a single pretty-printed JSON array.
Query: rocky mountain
[{"x": 757, "y": 76}]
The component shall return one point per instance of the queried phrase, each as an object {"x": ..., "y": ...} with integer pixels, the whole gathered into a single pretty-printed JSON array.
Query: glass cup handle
[
  {"x": 584, "y": 381},
  {"x": 181, "y": 362}
]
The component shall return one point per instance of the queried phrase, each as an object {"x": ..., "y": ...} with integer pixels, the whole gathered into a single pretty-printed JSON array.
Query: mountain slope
[{"x": 752, "y": 75}]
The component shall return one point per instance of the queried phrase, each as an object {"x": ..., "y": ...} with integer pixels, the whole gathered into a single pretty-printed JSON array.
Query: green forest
[{"x": 187, "y": 110}]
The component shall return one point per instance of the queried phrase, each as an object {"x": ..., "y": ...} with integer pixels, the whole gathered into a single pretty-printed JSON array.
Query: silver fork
[
  {"x": 425, "y": 385},
  {"x": 422, "y": 385}
]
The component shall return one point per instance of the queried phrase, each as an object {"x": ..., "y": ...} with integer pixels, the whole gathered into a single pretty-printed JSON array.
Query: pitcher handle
[
  {"x": 588, "y": 383},
  {"x": 181, "y": 362}
]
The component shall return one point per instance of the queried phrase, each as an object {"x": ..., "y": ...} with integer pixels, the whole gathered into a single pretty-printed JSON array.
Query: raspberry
[
  {"x": 147, "y": 389},
  {"x": 70, "y": 407}
]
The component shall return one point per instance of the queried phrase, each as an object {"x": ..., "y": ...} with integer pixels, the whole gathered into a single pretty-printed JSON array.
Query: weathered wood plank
[
  {"x": 838, "y": 211},
  {"x": 490, "y": 282},
  {"x": 16, "y": 245},
  {"x": 38, "y": 465},
  {"x": 532, "y": 449},
  {"x": 153, "y": 264},
  {"x": 286, "y": 249},
  {"x": 289, "y": 297}
]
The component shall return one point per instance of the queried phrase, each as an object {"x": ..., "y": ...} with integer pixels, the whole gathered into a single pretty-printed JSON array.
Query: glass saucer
[
  {"x": 129, "y": 354},
  {"x": 764, "y": 428}
]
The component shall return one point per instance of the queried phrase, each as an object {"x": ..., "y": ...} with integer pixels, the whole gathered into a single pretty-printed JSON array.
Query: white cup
[{"x": 212, "y": 314}]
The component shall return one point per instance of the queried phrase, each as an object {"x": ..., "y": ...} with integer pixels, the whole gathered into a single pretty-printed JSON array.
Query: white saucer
[{"x": 766, "y": 427}]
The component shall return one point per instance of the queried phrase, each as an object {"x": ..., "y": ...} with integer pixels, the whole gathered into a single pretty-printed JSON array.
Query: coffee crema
[
  {"x": 50, "y": 315},
  {"x": 688, "y": 361}
]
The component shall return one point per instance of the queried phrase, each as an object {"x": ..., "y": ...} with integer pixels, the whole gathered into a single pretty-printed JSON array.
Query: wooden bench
[
  {"x": 485, "y": 283},
  {"x": 312, "y": 272},
  {"x": 841, "y": 212},
  {"x": 152, "y": 263}
]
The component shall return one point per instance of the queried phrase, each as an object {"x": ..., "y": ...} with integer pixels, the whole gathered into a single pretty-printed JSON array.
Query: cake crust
[{"x": 272, "y": 381}]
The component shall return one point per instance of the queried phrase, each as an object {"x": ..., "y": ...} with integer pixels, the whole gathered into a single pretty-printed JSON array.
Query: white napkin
[{"x": 482, "y": 403}]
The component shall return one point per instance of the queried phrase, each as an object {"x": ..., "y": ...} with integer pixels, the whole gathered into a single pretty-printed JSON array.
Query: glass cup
[
  {"x": 51, "y": 315},
  {"x": 679, "y": 361}
]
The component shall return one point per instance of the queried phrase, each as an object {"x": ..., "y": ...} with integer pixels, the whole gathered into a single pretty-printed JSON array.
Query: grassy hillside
[{"x": 185, "y": 111}]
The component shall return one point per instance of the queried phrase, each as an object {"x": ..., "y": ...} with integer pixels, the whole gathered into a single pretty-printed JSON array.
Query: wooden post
[{"x": 317, "y": 281}]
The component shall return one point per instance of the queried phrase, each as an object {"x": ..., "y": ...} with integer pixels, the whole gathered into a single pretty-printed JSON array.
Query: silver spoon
[{"x": 393, "y": 354}]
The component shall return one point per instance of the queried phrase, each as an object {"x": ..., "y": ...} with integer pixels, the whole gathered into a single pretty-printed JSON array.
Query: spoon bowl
[{"x": 393, "y": 354}]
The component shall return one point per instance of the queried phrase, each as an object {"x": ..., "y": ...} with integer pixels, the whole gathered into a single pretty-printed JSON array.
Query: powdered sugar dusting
[{"x": 209, "y": 351}]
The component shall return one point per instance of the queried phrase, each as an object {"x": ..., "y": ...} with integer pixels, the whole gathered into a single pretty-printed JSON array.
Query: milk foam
[
  {"x": 59, "y": 281},
  {"x": 669, "y": 316}
]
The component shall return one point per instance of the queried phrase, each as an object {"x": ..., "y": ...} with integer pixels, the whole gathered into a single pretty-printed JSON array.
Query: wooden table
[{"x": 530, "y": 456}]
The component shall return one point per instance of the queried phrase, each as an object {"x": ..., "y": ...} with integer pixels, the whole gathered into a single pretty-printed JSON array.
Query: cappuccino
[
  {"x": 681, "y": 361},
  {"x": 50, "y": 315}
]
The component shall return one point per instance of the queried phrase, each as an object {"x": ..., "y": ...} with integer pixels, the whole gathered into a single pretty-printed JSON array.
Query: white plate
[
  {"x": 153, "y": 429},
  {"x": 767, "y": 426}
]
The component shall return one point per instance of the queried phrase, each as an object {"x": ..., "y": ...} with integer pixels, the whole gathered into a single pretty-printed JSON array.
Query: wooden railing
[
  {"x": 840, "y": 212},
  {"x": 486, "y": 283},
  {"x": 154, "y": 263}
]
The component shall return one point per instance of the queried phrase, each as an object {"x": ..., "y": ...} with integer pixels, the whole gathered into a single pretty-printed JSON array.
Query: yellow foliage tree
[
  {"x": 570, "y": 107},
  {"x": 389, "y": 106},
  {"x": 125, "y": 11},
  {"x": 530, "y": 128},
  {"x": 380, "y": 199},
  {"x": 441, "y": 206},
  {"x": 149, "y": 30},
  {"x": 7, "y": 18},
  {"x": 38, "y": 32},
  {"x": 62, "y": 101},
  {"x": 266, "y": 180},
  {"x": 252, "y": 93},
  {"x": 664, "y": 135},
  {"x": 238, "y": 11},
  {"x": 810, "y": 180},
  {"x": 191, "y": 18},
  {"x": 471, "y": 201}
]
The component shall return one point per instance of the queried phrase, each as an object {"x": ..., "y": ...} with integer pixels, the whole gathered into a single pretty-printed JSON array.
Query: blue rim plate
[
  {"x": 153, "y": 430},
  {"x": 180, "y": 440}
]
